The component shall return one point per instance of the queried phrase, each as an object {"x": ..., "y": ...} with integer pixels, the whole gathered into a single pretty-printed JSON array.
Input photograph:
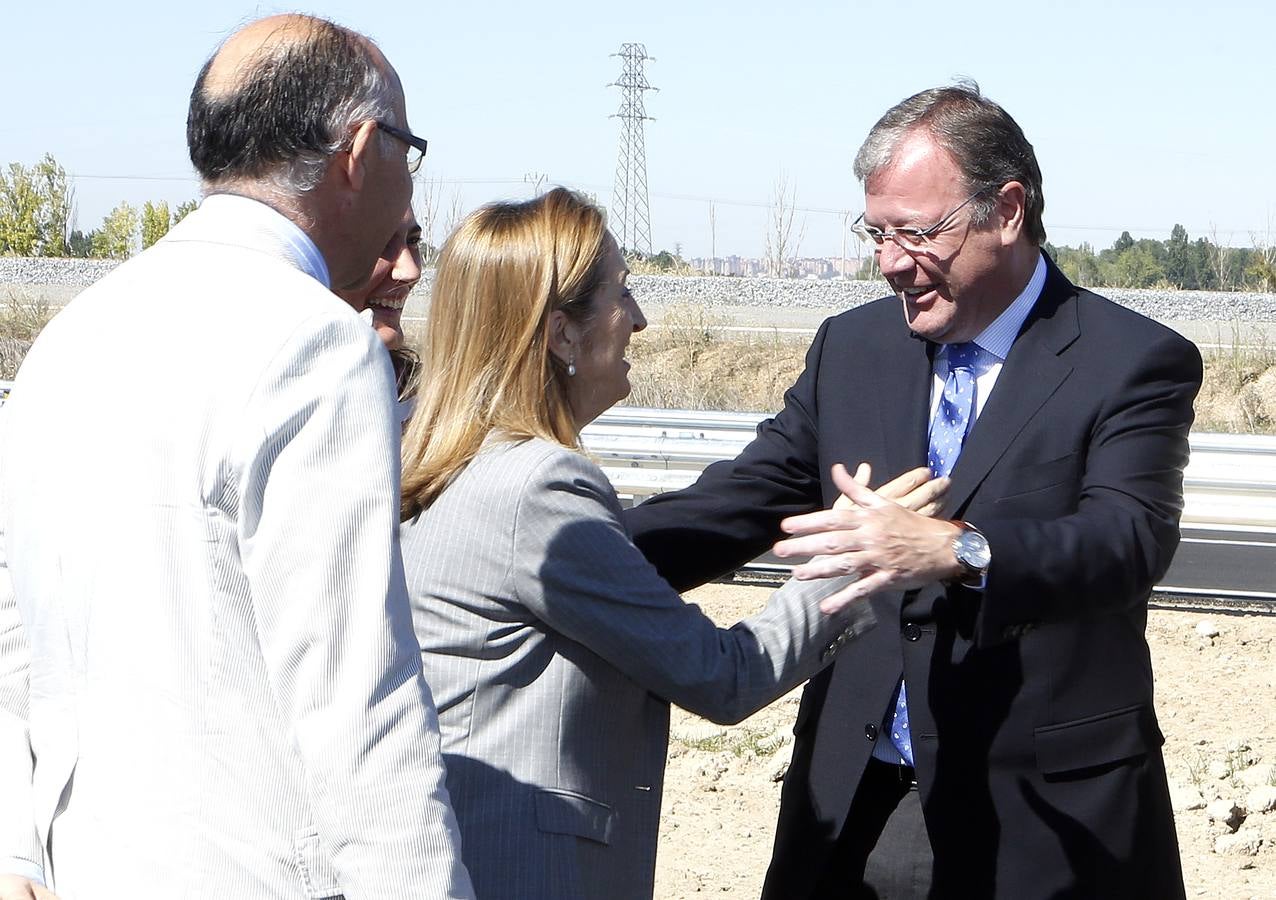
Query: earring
[{"x": 571, "y": 368}]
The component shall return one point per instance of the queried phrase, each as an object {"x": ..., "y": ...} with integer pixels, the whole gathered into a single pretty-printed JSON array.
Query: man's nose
[
  {"x": 407, "y": 267},
  {"x": 892, "y": 259}
]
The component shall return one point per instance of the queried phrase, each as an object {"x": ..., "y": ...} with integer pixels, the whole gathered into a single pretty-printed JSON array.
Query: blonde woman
[{"x": 553, "y": 648}]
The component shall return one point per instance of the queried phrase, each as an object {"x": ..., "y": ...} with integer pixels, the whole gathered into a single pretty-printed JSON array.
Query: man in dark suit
[{"x": 995, "y": 735}]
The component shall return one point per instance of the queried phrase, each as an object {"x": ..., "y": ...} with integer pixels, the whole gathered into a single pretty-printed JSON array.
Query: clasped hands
[{"x": 889, "y": 538}]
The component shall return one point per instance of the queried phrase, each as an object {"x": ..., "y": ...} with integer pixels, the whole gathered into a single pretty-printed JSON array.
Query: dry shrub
[
  {"x": 1239, "y": 392},
  {"x": 685, "y": 363},
  {"x": 639, "y": 266},
  {"x": 21, "y": 319}
]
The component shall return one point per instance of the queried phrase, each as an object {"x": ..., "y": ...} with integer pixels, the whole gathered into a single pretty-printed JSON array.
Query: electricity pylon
[{"x": 630, "y": 215}]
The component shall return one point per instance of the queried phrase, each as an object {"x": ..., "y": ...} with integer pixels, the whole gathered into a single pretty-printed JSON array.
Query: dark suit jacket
[{"x": 1036, "y": 743}]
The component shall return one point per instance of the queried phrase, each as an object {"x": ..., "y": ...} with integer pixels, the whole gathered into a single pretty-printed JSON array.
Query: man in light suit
[
  {"x": 209, "y": 685},
  {"x": 999, "y": 740}
]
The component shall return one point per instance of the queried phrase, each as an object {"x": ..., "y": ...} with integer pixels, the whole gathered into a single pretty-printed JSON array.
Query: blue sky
[{"x": 1143, "y": 114}]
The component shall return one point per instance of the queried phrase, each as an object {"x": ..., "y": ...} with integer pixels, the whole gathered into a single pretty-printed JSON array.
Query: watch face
[{"x": 973, "y": 550}]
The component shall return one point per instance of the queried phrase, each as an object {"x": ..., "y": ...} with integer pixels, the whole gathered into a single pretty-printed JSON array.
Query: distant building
[{"x": 819, "y": 267}]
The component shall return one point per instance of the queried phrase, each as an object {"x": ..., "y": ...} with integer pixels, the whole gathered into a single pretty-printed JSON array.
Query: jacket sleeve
[
  {"x": 732, "y": 513},
  {"x": 318, "y": 492},
  {"x": 20, "y": 851},
  {"x": 1120, "y": 539},
  {"x": 578, "y": 572}
]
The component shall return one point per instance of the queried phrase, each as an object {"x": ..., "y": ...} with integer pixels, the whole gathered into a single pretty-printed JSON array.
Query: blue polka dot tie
[
  {"x": 947, "y": 432},
  {"x": 956, "y": 405}
]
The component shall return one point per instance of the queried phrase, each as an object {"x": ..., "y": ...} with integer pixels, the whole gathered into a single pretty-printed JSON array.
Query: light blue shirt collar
[
  {"x": 253, "y": 215},
  {"x": 998, "y": 337}
]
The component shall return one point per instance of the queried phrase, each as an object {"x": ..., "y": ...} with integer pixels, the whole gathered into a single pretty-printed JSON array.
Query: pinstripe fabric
[
  {"x": 554, "y": 650},
  {"x": 20, "y": 852},
  {"x": 224, "y": 677}
]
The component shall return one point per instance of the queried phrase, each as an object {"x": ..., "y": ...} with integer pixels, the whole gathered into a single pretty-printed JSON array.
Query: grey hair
[
  {"x": 988, "y": 145},
  {"x": 288, "y": 110},
  {"x": 375, "y": 100}
]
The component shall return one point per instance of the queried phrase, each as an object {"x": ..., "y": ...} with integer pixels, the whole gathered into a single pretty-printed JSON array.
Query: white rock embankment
[{"x": 1163, "y": 305}]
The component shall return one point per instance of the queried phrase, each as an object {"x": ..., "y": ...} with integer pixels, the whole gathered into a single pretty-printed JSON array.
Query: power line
[
  {"x": 720, "y": 201},
  {"x": 87, "y": 177}
]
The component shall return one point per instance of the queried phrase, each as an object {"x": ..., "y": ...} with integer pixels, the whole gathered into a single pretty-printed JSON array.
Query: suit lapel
[
  {"x": 900, "y": 390},
  {"x": 1030, "y": 375}
]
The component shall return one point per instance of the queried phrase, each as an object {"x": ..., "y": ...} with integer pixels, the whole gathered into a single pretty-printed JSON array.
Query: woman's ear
[{"x": 564, "y": 337}]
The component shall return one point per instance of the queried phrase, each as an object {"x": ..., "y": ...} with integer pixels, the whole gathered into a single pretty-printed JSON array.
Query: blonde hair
[{"x": 486, "y": 362}]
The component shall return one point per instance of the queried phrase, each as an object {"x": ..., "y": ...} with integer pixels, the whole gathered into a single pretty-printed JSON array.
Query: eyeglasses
[
  {"x": 911, "y": 238},
  {"x": 416, "y": 145}
]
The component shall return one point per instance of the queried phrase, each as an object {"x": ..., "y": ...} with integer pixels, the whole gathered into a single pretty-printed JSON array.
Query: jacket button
[
  {"x": 870, "y": 731},
  {"x": 912, "y": 631}
]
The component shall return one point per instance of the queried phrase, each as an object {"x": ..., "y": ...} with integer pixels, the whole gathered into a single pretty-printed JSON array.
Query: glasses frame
[
  {"x": 912, "y": 239},
  {"x": 419, "y": 144}
]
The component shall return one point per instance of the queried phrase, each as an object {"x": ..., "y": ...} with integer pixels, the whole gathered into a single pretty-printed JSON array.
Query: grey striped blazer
[
  {"x": 208, "y": 647},
  {"x": 554, "y": 649}
]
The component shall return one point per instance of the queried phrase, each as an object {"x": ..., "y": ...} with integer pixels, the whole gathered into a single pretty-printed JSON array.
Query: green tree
[
  {"x": 664, "y": 260},
  {"x": 184, "y": 209},
  {"x": 1137, "y": 266},
  {"x": 1200, "y": 256},
  {"x": 19, "y": 209},
  {"x": 1078, "y": 263},
  {"x": 1203, "y": 264},
  {"x": 156, "y": 221},
  {"x": 80, "y": 244},
  {"x": 117, "y": 238},
  {"x": 35, "y": 209},
  {"x": 1262, "y": 268},
  {"x": 1178, "y": 260}
]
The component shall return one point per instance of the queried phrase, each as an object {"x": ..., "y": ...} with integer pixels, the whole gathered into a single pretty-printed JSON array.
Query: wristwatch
[{"x": 973, "y": 555}]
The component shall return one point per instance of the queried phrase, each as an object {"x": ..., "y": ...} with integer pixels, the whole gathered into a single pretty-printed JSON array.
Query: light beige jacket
[{"x": 200, "y": 495}]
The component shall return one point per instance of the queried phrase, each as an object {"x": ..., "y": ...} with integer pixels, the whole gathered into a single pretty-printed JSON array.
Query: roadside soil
[{"x": 1216, "y": 699}]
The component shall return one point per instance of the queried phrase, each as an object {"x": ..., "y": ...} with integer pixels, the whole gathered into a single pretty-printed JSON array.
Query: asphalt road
[
  {"x": 1211, "y": 564},
  {"x": 1214, "y": 561}
]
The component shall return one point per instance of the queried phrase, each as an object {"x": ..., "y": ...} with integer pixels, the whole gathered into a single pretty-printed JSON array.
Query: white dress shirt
[{"x": 994, "y": 344}]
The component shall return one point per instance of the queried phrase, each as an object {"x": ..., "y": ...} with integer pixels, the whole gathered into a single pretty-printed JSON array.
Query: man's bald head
[{"x": 280, "y": 97}]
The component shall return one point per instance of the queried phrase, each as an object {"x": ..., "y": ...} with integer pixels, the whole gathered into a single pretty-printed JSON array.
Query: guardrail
[{"x": 1229, "y": 482}]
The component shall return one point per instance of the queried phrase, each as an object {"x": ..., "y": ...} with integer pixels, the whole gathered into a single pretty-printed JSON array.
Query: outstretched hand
[{"x": 887, "y": 545}]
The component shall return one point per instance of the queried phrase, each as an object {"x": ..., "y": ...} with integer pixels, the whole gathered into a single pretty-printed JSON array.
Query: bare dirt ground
[{"x": 1216, "y": 698}]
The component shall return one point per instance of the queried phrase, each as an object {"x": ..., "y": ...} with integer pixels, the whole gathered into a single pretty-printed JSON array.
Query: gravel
[
  {"x": 1163, "y": 305},
  {"x": 47, "y": 270}
]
